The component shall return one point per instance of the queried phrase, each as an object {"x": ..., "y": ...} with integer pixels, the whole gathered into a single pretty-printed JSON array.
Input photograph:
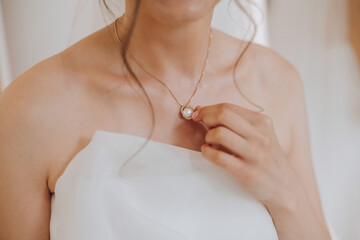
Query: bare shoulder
[
  {"x": 30, "y": 110},
  {"x": 43, "y": 97},
  {"x": 44, "y": 122},
  {"x": 282, "y": 85},
  {"x": 37, "y": 111},
  {"x": 44, "y": 110},
  {"x": 276, "y": 72},
  {"x": 51, "y": 99},
  {"x": 261, "y": 67},
  {"x": 48, "y": 112}
]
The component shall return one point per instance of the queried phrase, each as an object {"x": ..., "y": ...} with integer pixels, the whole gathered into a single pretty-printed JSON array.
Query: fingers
[
  {"x": 249, "y": 115},
  {"x": 230, "y": 140},
  {"x": 224, "y": 160},
  {"x": 228, "y": 116}
]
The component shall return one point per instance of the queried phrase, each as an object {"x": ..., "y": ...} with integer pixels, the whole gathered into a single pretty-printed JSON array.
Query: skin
[
  {"x": 354, "y": 26},
  {"x": 254, "y": 156},
  {"x": 51, "y": 112}
]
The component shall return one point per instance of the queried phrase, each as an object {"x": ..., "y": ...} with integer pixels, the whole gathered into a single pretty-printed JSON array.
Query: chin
[{"x": 176, "y": 12}]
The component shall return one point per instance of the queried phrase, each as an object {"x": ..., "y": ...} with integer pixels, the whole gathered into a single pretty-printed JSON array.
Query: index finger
[{"x": 249, "y": 115}]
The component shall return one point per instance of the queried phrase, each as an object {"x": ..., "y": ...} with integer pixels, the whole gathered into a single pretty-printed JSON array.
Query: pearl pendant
[{"x": 187, "y": 111}]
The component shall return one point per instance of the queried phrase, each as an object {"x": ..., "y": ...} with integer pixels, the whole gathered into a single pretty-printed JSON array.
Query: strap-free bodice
[{"x": 165, "y": 193}]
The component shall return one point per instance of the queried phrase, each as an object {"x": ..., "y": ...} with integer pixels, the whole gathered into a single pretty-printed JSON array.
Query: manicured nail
[{"x": 198, "y": 107}]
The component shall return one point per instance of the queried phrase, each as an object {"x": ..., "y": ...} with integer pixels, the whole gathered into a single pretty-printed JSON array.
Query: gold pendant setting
[{"x": 187, "y": 111}]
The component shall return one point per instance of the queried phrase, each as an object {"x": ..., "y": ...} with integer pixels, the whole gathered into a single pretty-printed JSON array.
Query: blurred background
[{"x": 320, "y": 37}]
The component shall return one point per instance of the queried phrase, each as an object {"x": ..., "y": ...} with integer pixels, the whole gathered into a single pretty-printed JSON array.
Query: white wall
[
  {"x": 312, "y": 35},
  {"x": 5, "y": 75},
  {"x": 35, "y": 30}
]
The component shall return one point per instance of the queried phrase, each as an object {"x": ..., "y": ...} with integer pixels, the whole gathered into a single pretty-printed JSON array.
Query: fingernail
[
  {"x": 198, "y": 107},
  {"x": 195, "y": 114}
]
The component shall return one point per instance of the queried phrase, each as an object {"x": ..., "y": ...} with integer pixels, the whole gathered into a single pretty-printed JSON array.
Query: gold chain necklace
[{"x": 186, "y": 110}]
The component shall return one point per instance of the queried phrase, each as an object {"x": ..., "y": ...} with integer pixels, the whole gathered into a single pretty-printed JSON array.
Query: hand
[{"x": 251, "y": 151}]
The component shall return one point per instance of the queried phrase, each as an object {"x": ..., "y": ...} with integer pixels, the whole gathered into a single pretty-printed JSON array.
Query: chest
[
  {"x": 133, "y": 115},
  {"x": 126, "y": 110}
]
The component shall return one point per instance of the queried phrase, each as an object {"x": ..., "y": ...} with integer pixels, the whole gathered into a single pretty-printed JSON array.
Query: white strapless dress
[{"x": 165, "y": 193}]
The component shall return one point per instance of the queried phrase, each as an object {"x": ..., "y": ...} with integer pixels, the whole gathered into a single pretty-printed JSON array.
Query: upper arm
[
  {"x": 37, "y": 129},
  {"x": 300, "y": 156},
  {"x": 25, "y": 199},
  {"x": 286, "y": 86}
]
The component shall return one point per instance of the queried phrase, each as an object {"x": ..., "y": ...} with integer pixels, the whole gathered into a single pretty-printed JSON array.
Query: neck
[{"x": 169, "y": 52}]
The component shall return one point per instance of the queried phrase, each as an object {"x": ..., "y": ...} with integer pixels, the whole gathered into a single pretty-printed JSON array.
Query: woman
[{"x": 226, "y": 171}]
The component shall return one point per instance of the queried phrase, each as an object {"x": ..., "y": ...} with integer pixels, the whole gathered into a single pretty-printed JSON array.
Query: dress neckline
[
  {"x": 105, "y": 133},
  {"x": 100, "y": 131}
]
